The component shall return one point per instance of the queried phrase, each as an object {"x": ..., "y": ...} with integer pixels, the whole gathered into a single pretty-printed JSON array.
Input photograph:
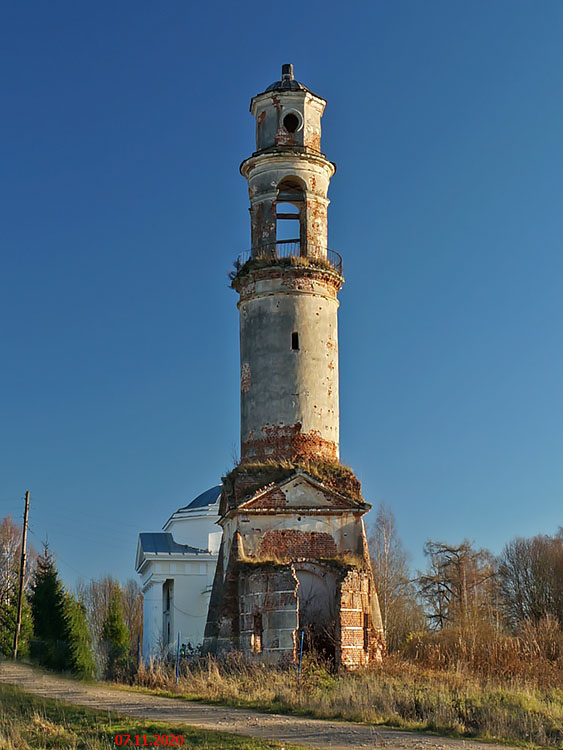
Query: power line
[
  {"x": 58, "y": 556},
  {"x": 187, "y": 613}
]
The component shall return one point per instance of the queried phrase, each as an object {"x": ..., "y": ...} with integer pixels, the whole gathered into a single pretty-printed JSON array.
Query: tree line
[
  {"x": 467, "y": 588},
  {"x": 92, "y": 632},
  {"x": 467, "y": 599}
]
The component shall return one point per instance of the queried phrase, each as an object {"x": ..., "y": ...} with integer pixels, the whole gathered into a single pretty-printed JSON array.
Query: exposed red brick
[
  {"x": 288, "y": 442},
  {"x": 357, "y": 628},
  {"x": 291, "y": 544},
  {"x": 274, "y": 499}
]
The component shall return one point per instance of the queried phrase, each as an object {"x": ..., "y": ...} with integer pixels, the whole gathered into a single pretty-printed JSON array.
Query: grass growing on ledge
[
  {"x": 396, "y": 693},
  {"x": 293, "y": 261},
  {"x": 342, "y": 563},
  {"x": 27, "y": 722},
  {"x": 251, "y": 476}
]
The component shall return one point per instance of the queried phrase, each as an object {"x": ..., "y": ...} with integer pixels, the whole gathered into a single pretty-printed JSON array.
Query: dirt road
[{"x": 315, "y": 733}]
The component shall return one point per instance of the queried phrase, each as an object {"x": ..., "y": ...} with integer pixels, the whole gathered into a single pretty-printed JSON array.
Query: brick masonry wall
[
  {"x": 291, "y": 544},
  {"x": 360, "y": 641},
  {"x": 268, "y": 617}
]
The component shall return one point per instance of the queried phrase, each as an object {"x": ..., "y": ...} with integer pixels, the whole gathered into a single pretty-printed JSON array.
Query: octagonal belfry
[{"x": 294, "y": 556}]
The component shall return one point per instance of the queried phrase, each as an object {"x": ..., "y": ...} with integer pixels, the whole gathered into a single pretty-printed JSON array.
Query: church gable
[{"x": 300, "y": 492}]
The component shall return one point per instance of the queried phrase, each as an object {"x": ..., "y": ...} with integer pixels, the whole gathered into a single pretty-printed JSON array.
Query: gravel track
[{"x": 315, "y": 733}]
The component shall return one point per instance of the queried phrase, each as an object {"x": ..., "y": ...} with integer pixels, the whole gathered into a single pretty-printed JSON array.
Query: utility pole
[{"x": 22, "y": 574}]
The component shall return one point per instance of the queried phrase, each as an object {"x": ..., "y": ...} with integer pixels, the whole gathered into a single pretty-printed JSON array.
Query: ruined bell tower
[
  {"x": 293, "y": 562},
  {"x": 288, "y": 321}
]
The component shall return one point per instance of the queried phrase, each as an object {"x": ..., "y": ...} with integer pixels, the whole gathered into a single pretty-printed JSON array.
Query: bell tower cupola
[
  {"x": 288, "y": 283},
  {"x": 287, "y": 175}
]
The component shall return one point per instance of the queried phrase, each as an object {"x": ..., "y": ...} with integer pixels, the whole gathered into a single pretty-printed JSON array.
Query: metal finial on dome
[
  {"x": 287, "y": 81},
  {"x": 287, "y": 72}
]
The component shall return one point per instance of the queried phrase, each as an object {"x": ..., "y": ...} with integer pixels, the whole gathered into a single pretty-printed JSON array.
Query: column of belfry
[{"x": 293, "y": 562}]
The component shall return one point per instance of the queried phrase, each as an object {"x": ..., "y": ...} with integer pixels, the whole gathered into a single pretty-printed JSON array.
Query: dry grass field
[{"x": 520, "y": 706}]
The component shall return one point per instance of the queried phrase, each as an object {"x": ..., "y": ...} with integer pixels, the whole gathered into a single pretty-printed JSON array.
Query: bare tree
[
  {"x": 10, "y": 552},
  {"x": 96, "y": 597},
  {"x": 400, "y": 612},
  {"x": 531, "y": 579},
  {"x": 458, "y": 587},
  {"x": 132, "y": 603}
]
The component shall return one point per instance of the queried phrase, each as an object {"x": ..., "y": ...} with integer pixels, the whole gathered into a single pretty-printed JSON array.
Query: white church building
[{"x": 177, "y": 566}]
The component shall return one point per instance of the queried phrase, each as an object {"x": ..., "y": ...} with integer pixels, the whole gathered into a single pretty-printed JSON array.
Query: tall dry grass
[
  {"x": 534, "y": 655},
  {"x": 508, "y": 689}
]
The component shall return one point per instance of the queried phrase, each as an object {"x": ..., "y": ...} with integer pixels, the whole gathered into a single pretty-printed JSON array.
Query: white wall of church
[
  {"x": 190, "y": 589},
  {"x": 196, "y": 529},
  {"x": 177, "y": 585}
]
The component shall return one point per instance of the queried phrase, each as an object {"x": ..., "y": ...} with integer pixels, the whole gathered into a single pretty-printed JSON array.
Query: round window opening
[{"x": 291, "y": 122}]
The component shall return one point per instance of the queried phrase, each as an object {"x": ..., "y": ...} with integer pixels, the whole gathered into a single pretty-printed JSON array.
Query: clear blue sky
[{"x": 122, "y": 209}]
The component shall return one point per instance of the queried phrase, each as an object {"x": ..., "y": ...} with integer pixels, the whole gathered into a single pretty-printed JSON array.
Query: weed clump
[{"x": 250, "y": 476}]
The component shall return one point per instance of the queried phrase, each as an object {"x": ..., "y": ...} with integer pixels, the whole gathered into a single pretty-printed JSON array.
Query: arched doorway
[{"x": 318, "y": 612}]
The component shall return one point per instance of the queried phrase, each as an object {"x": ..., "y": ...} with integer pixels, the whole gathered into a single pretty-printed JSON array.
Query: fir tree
[
  {"x": 64, "y": 641},
  {"x": 8, "y": 616},
  {"x": 116, "y": 637},
  {"x": 78, "y": 638},
  {"x": 47, "y": 606}
]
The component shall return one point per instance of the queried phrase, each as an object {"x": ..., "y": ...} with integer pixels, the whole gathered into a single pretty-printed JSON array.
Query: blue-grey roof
[
  {"x": 209, "y": 497},
  {"x": 287, "y": 81},
  {"x": 163, "y": 543},
  {"x": 287, "y": 85}
]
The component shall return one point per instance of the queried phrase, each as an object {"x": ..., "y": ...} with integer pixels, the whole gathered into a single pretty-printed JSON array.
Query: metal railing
[{"x": 289, "y": 249}]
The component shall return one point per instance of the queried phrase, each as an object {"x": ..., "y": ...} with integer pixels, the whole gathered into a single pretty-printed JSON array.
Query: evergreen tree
[
  {"x": 116, "y": 637},
  {"x": 78, "y": 638},
  {"x": 8, "y": 616},
  {"x": 63, "y": 639},
  {"x": 47, "y": 606}
]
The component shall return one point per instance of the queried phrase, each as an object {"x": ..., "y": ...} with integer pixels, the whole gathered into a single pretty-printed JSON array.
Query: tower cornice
[
  {"x": 272, "y": 159},
  {"x": 321, "y": 281}
]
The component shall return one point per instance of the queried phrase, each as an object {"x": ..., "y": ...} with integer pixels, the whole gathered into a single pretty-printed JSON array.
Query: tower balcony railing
[{"x": 289, "y": 249}]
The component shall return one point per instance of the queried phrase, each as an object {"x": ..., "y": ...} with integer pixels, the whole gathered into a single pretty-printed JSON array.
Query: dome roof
[
  {"x": 287, "y": 82},
  {"x": 209, "y": 497}
]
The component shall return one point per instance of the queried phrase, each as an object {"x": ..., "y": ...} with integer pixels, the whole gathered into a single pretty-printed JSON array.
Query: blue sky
[{"x": 122, "y": 209}]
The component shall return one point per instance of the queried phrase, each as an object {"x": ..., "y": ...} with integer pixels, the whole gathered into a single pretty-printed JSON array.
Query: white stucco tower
[{"x": 288, "y": 309}]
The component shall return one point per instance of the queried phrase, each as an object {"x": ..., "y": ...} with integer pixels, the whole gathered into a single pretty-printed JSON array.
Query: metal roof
[
  {"x": 287, "y": 82},
  {"x": 160, "y": 543},
  {"x": 209, "y": 497}
]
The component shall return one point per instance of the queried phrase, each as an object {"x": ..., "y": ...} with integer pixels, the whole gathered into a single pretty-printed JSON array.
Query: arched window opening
[
  {"x": 288, "y": 222},
  {"x": 291, "y": 122},
  {"x": 290, "y": 215},
  {"x": 291, "y": 189}
]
